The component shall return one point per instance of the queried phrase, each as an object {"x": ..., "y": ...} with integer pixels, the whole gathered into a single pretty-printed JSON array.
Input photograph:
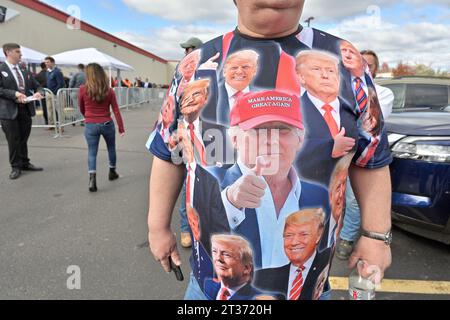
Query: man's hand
[
  {"x": 373, "y": 253},
  {"x": 248, "y": 190},
  {"x": 21, "y": 98},
  {"x": 342, "y": 144},
  {"x": 210, "y": 64},
  {"x": 38, "y": 96},
  {"x": 163, "y": 245}
]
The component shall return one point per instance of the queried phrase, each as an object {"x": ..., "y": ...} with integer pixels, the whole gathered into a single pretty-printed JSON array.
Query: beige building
[{"x": 38, "y": 26}]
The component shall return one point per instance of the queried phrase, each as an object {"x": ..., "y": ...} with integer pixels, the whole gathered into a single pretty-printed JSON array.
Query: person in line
[
  {"x": 41, "y": 77},
  {"x": 96, "y": 99}
]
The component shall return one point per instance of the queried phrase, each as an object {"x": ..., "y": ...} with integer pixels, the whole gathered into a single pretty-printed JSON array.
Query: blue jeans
[
  {"x": 92, "y": 133},
  {"x": 352, "y": 218},
  {"x": 193, "y": 291},
  {"x": 184, "y": 226}
]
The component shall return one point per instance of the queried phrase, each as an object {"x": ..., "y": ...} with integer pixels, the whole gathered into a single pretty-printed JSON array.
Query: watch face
[{"x": 389, "y": 238}]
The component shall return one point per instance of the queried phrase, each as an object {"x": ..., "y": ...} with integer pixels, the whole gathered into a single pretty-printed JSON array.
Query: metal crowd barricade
[
  {"x": 46, "y": 110},
  {"x": 122, "y": 97},
  {"x": 63, "y": 109},
  {"x": 68, "y": 109}
]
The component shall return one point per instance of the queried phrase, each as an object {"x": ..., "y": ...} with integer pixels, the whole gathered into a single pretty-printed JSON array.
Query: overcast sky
[{"x": 414, "y": 31}]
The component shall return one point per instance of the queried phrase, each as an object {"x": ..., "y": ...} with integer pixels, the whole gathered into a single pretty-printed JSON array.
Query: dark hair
[
  {"x": 50, "y": 59},
  {"x": 81, "y": 66},
  {"x": 97, "y": 87},
  {"x": 372, "y": 53},
  {"x": 374, "y": 110},
  {"x": 9, "y": 47},
  {"x": 43, "y": 65}
]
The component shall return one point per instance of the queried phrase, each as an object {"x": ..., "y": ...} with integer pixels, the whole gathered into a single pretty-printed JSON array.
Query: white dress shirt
[
  {"x": 231, "y": 92},
  {"x": 270, "y": 226},
  {"x": 11, "y": 67},
  {"x": 335, "y": 104},
  {"x": 293, "y": 272}
]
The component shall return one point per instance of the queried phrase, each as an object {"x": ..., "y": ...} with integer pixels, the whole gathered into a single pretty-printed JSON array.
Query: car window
[
  {"x": 426, "y": 96},
  {"x": 399, "y": 95}
]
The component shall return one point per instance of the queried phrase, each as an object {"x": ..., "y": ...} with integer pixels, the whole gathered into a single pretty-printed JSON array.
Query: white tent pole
[{"x": 110, "y": 76}]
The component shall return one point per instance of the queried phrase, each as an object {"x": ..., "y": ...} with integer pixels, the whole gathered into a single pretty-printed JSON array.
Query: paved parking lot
[{"x": 49, "y": 221}]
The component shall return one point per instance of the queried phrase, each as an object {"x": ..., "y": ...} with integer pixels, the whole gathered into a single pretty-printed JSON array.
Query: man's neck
[
  {"x": 233, "y": 284},
  {"x": 324, "y": 98},
  {"x": 265, "y": 35},
  {"x": 10, "y": 61}
]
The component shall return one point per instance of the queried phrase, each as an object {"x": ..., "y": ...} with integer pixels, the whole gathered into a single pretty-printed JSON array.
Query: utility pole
[{"x": 309, "y": 20}]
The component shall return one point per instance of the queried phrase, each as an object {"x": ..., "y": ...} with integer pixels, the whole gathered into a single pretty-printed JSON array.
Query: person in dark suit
[
  {"x": 16, "y": 84},
  {"x": 200, "y": 259},
  {"x": 202, "y": 197},
  {"x": 262, "y": 188},
  {"x": 233, "y": 264},
  {"x": 239, "y": 71},
  {"x": 355, "y": 81},
  {"x": 207, "y": 202},
  {"x": 297, "y": 279},
  {"x": 329, "y": 120}
]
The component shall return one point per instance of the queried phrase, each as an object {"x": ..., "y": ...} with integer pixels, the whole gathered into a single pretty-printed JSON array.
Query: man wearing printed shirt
[{"x": 273, "y": 23}]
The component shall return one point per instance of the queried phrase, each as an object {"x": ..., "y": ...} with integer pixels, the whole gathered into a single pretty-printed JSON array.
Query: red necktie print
[
  {"x": 225, "y": 294},
  {"x": 328, "y": 117},
  {"x": 197, "y": 144},
  {"x": 361, "y": 97},
  {"x": 297, "y": 285},
  {"x": 370, "y": 152}
]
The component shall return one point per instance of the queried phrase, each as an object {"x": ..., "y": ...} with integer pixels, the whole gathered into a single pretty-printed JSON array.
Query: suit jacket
[
  {"x": 9, "y": 108},
  {"x": 207, "y": 202},
  {"x": 314, "y": 161},
  {"x": 276, "y": 280},
  {"x": 312, "y": 195},
  {"x": 347, "y": 87},
  {"x": 247, "y": 292},
  {"x": 201, "y": 264}
]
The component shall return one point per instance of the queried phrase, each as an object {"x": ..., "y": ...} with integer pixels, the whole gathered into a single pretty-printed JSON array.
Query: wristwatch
[{"x": 385, "y": 237}]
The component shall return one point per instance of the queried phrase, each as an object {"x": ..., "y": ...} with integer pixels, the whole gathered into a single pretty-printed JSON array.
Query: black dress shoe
[
  {"x": 15, "y": 173},
  {"x": 31, "y": 167}
]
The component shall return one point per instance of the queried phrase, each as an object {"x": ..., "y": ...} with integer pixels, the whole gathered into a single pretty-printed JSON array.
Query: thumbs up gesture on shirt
[
  {"x": 342, "y": 144},
  {"x": 248, "y": 190}
]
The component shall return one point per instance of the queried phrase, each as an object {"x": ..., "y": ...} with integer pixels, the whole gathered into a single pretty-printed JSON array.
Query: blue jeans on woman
[{"x": 92, "y": 133}]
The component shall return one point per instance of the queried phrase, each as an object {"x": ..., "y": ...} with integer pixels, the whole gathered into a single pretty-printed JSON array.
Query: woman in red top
[{"x": 95, "y": 99}]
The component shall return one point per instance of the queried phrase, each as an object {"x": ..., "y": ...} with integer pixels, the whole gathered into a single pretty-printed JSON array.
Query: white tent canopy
[
  {"x": 89, "y": 55},
  {"x": 29, "y": 55}
]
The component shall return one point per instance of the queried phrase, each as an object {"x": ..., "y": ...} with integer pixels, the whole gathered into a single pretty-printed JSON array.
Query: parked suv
[
  {"x": 418, "y": 93},
  {"x": 420, "y": 172}
]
